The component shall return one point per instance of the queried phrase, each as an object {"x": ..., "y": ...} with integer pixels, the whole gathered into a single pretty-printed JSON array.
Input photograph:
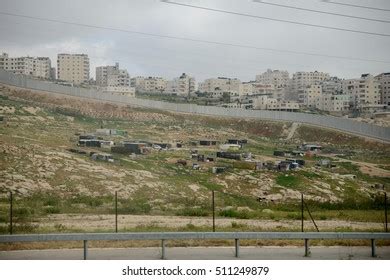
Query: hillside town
[{"x": 277, "y": 90}]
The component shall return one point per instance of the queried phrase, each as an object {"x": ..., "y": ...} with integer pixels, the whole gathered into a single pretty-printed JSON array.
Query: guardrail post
[
  {"x": 237, "y": 245},
  {"x": 85, "y": 249},
  {"x": 373, "y": 248},
  {"x": 307, "y": 249},
  {"x": 163, "y": 249}
]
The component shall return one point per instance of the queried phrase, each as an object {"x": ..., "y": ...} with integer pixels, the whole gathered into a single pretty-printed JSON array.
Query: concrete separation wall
[{"x": 347, "y": 125}]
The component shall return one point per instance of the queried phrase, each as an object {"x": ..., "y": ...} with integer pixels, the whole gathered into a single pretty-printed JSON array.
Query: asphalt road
[{"x": 201, "y": 253}]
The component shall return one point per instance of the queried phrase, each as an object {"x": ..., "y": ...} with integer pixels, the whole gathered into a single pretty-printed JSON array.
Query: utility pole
[{"x": 213, "y": 206}]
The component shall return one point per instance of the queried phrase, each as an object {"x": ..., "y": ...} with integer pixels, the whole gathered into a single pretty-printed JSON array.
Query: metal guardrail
[{"x": 163, "y": 236}]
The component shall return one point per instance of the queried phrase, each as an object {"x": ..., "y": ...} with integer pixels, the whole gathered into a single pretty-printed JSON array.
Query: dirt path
[
  {"x": 371, "y": 169},
  {"x": 101, "y": 222},
  {"x": 293, "y": 128}
]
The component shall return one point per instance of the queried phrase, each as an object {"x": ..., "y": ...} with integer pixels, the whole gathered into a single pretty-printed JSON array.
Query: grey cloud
[{"x": 143, "y": 55}]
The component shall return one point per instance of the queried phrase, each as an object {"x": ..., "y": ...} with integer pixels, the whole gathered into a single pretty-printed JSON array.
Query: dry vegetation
[{"x": 59, "y": 191}]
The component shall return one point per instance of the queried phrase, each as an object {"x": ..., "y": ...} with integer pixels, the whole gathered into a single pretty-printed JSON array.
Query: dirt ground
[{"x": 105, "y": 222}]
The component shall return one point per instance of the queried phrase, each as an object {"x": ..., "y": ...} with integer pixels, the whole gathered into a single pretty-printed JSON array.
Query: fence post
[
  {"x": 213, "y": 206},
  {"x": 116, "y": 211},
  {"x": 386, "y": 229},
  {"x": 311, "y": 217},
  {"x": 11, "y": 201},
  {"x": 85, "y": 249},
  {"x": 302, "y": 212},
  {"x": 237, "y": 245}
]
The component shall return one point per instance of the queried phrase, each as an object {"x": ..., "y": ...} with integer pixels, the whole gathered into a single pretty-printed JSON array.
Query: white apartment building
[
  {"x": 33, "y": 66},
  {"x": 310, "y": 95},
  {"x": 273, "y": 104},
  {"x": 333, "y": 102},
  {"x": 333, "y": 85},
  {"x": 181, "y": 86},
  {"x": 266, "y": 89},
  {"x": 112, "y": 76},
  {"x": 73, "y": 68},
  {"x": 149, "y": 84},
  {"x": 102, "y": 73},
  {"x": 364, "y": 92},
  {"x": 120, "y": 78},
  {"x": 384, "y": 80},
  {"x": 53, "y": 73},
  {"x": 216, "y": 87},
  {"x": 301, "y": 80},
  {"x": 247, "y": 88},
  {"x": 277, "y": 78},
  {"x": 3, "y": 58},
  {"x": 262, "y": 102}
]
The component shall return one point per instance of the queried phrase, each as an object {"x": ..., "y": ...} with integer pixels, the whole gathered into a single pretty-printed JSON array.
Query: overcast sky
[{"x": 146, "y": 55}]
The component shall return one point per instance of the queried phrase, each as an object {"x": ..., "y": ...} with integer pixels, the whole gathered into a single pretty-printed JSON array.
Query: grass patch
[{"x": 288, "y": 180}]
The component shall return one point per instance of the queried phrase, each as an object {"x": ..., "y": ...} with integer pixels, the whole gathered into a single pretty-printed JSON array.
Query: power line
[
  {"x": 278, "y": 20},
  {"x": 320, "y": 12},
  {"x": 191, "y": 39},
  {"x": 356, "y": 6}
]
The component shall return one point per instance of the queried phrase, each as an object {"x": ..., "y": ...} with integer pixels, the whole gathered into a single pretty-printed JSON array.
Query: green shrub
[
  {"x": 52, "y": 210},
  {"x": 191, "y": 226},
  {"x": 230, "y": 213},
  {"x": 51, "y": 201},
  {"x": 196, "y": 212},
  {"x": 287, "y": 180},
  {"x": 87, "y": 200},
  {"x": 237, "y": 225}
]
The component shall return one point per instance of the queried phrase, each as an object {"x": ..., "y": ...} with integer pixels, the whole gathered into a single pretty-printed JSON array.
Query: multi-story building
[
  {"x": 384, "y": 80},
  {"x": 33, "y": 66},
  {"x": 148, "y": 84},
  {"x": 73, "y": 68},
  {"x": 119, "y": 78},
  {"x": 3, "y": 59},
  {"x": 112, "y": 76},
  {"x": 217, "y": 87},
  {"x": 309, "y": 95},
  {"x": 301, "y": 80},
  {"x": 277, "y": 78},
  {"x": 262, "y": 102},
  {"x": 263, "y": 89},
  {"x": 102, "y": 73},
  {"x": 181, "y": 86},
  {"x": 364, "y": 92},
  {"x": 333, "y": 102},
  {"x": 332, "y": 85},
  {"x": 52, "y": 73}
]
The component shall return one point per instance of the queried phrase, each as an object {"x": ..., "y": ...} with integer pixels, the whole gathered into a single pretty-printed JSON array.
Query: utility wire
[
  {"x": 356, "y": 6},
  {"x": 278, "y": 20},
  {"x": 320, "y": 12},
  {"x": 191, "y": 39}
]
